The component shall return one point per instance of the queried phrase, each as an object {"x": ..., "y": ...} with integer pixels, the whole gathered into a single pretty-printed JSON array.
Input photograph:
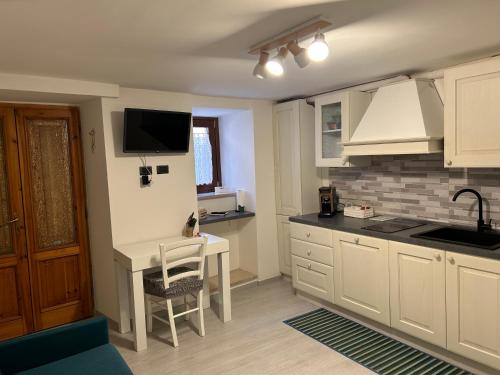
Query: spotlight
[
  {"x": 318, "y": 50},
  {"x": 275, "y": 65},
  {"x": 260, "y": 69},
  {"x": 299, "y": 54}
]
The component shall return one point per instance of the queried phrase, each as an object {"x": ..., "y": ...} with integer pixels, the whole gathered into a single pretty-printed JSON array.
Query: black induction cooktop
[{"x": 394, "y": 225}]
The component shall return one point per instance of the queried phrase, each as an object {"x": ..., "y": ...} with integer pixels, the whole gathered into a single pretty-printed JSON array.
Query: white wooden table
[{"x": 130, "y": 262}]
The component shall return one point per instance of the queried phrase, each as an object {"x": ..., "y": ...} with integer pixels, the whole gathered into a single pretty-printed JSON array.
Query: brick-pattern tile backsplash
[{"x": 419, "y": 186}]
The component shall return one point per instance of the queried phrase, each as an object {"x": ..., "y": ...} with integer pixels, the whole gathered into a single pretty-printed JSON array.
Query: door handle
[{"x": 16, "y": 219}]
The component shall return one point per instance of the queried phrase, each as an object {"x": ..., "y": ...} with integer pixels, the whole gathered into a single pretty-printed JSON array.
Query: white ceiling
[{"x": 200, "y": 46}]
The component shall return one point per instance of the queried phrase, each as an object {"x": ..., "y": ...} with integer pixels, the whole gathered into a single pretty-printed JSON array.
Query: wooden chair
[{"x": 181, "y": 275}]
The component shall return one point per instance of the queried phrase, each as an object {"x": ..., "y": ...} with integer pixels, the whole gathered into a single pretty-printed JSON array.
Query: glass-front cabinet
[{"x": 336, "y": 118}]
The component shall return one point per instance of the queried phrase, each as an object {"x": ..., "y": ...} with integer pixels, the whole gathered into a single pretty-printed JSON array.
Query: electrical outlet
[
  {"x": 145, "y": 171},
  {"x": 161, "y": 169}
]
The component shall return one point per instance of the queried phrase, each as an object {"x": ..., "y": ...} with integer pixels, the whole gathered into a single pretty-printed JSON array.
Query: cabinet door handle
[
  {"x": 437, "y": 257},
  {"x": 451, "y": 260},
  {"x": 356, "y": 241},
  {"x": 309, "y": 266},
  {"x": 308, "y": 235},
  {"x": 449, "y": 162},
  {"x": 308, "y": 252}
]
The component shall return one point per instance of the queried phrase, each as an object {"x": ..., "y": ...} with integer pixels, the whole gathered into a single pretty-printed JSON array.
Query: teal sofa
[{"x": 80, "y": 348}]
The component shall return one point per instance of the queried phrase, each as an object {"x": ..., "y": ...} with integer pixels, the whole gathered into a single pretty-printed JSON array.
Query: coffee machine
[{"x": 327, "y": 201}]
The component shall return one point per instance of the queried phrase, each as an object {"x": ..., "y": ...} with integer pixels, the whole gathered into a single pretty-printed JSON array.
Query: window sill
[{"x": 205, "y": 196}]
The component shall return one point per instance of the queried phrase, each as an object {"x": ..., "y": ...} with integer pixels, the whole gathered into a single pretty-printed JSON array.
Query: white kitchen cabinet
[
  {"x": 472, "y": 115},
  {"x": 311, "y": 251},
  {"x": 473, "y": 307},
  {"x": 418, "y": 290},
  {"x": 313, "y": 278},
  {"x": 296, "y": 178},
  {"x": 336, "y": 117},
  {"x": 309, "y": 233},
  {"x": 361, "y": 275},
  {"x": 284, "y": 249}
]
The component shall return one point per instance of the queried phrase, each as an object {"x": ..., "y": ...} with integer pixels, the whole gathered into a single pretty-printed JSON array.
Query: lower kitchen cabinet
[
  {"x": 313, "y": 278},
  {"x": 284, "y": 250},
  {"x": 418, "y": 290},
  {"x": 361, "y": 275},
  {"x": 473, "y": 307}
]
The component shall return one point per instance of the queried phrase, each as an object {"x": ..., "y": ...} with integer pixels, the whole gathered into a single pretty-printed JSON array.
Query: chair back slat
[
  {"x": 181, "y": 262},
  {"x": 182, "y": 252},
  {"x": 183, "y": 275}
]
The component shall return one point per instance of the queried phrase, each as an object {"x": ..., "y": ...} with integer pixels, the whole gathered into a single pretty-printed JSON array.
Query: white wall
[
  {"x": 98, "y": 213},
  {"x": 265, "y": 204},
  {"x": 237, "y": 145},
  {"x": 236, "y": 135},
  {"x": 137, "y": 213}
]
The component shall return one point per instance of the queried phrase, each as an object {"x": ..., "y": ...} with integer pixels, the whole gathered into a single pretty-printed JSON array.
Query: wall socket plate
[
  {"x": 161, "y": 169},
  {"x": 145, "y": 171}
]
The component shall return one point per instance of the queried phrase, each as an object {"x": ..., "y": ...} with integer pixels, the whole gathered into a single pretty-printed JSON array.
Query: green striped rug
[{"x": 373, "y": 350}]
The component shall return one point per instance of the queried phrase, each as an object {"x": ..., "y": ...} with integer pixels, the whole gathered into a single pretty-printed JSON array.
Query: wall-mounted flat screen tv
[{"x": 150, "y": 131}]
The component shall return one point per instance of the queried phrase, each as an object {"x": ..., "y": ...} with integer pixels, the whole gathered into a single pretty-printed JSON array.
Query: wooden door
[
  {"x": 15, "y": 297},
  {"x": 473, "y": 307},
  {"x": 361, "y": 275},
  {"x": 284, "y": 249},
  {"x": 472, "y": 115},
  {"x": 417, "y": 279},
  {"x": 54, "y": 200},
  {"x": 287, "y": 158}
]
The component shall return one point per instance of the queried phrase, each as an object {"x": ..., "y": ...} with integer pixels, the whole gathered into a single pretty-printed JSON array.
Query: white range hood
[{"x": 403, "y": 118}]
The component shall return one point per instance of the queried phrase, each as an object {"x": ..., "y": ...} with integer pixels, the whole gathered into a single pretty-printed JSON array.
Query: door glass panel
[
  {"x": 52, "y": 195},
  {"x": 5, "y": 234},
  {"x": 331, "y": 127}
]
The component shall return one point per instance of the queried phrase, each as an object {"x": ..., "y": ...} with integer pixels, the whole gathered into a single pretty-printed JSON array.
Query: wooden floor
[{"x": 256, "y": 341}]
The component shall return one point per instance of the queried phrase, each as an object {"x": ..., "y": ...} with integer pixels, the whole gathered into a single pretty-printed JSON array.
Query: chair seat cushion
[
  {"x": 154, "y": 285},
  {"x": 102, "y": 360}
]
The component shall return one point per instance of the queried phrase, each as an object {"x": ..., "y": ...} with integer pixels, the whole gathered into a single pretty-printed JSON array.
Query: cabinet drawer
[
  {"x": 313, "y": 278},
  {"x": 311, "y": 251},
  {"x": 309, "y": 233}
]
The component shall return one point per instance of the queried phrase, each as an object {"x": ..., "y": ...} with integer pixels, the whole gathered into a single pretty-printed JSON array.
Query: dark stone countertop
[
  {"x": 232, "y": 215},
  {"x": 354, "y": 225}
]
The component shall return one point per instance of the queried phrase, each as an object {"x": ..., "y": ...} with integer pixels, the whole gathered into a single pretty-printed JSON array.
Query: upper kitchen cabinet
[
  {"x": 297, "y": 179},
  {"x": 472, "y": 115},
  {"x": 336, "y": 118}
]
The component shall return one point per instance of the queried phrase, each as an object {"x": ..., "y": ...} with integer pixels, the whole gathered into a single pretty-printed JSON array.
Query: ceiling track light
[
  {"x": 299, "y": 54},
  {"x": 275, "y": 66},
  {"x": 318, "y": 50},
  {"x": 260, "y": 69}
]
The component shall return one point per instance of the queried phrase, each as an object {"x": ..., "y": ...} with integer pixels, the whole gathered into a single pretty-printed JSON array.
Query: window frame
[{"x": 212, "y": 123}]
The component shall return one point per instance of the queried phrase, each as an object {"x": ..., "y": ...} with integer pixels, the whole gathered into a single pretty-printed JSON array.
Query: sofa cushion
[
  {"x": 50, "y": 345},
  {"x": 102, "y": 360}
]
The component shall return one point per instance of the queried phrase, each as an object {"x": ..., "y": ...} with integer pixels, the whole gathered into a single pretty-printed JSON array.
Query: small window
[{"x": 206, "y": 153}]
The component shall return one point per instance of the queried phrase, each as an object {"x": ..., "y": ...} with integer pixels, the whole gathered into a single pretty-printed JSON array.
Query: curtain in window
[{"x": 202, "y": 156}]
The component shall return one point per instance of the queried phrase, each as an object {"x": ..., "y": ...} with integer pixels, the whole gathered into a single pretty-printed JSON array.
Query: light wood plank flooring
[{"x": 256, "y": 341}]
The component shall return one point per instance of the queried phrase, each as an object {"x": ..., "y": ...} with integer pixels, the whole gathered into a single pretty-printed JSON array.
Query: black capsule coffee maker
[{"x": 327, "y": 204}]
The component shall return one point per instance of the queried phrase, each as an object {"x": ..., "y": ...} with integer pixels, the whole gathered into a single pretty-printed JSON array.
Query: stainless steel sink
[{"x": 483, "y": 240}]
